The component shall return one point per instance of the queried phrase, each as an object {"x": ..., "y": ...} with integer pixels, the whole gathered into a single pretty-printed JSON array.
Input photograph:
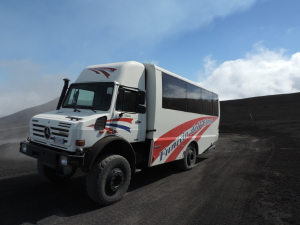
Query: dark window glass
[
  {"x": 215, "y": 105},
  {"x": 126, "y": 100},
  {"x": 95, "y": 96},
  {"x": 194, "y": 101},
  {"x": 174, "y": 93},
  {"x": 207, "y": 102},
  {"x": 120, "y": 97}
]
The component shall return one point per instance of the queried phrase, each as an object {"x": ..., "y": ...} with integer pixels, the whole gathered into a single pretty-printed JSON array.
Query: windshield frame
[{"x": 92, "y": 107}]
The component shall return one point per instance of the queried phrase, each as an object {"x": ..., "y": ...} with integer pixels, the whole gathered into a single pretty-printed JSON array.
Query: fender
[{"x": 119, "y": 146}]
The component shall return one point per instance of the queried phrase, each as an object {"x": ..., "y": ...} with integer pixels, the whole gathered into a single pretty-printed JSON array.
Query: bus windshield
[{"x": 95, "y": 96}]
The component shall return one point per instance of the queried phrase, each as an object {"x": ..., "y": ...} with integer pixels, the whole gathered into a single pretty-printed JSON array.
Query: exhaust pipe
[{"x": 63, "y": 93}]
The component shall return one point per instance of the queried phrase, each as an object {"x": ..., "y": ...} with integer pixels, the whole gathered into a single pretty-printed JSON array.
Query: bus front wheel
[{"x": 109, "y": 179}]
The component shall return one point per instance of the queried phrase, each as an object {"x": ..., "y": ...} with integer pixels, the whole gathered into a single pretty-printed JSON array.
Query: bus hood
[{"x": 60, "y": 130}]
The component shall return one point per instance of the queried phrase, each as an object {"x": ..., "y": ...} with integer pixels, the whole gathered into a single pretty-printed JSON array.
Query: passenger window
[
  {"x": 126, "y": 100},
  {"x": 180, "y": 95},
  {"x": 215, "y": 104},
  {"x": 194, "y": 99},
  {"x": 174, "y": 93},
  {"x": 207, "y": 102}
]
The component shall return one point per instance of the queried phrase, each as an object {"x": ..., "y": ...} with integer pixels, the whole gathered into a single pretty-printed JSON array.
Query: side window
[
  {"x": 215, "y": 104},
  {"x": 180, "y": 95},
  {"x": 194, "y": 101},
  {"x": 174, "y": 93},
  {"x": 207, "y": 102},
  {"x": 126, "y": 100}
]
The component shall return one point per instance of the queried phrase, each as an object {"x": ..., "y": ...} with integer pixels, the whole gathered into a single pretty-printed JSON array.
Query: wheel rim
[
  {"x": 191, "y": 157},
  {"x": 115, "y": 180}
]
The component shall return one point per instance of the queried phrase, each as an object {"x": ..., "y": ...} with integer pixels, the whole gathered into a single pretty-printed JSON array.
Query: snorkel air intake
[{"x": 63, "y": 93}]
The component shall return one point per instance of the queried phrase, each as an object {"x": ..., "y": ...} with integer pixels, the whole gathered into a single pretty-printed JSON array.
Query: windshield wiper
[
  {"x": 76, "y": 110},
  {"x": 93, "y": 110}
]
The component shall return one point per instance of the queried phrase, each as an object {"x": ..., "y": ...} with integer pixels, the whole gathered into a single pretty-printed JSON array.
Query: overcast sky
[{"x": 237, "y": 48}]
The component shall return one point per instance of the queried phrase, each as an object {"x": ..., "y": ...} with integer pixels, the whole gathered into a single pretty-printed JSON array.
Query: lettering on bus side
[
  {"x": 174, "y": 144},
  {"x": 200, "y": 125},
  {"x": 195, "y": 128}
]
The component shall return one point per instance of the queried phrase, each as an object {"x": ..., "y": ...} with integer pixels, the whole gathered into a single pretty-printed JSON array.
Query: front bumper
[{"x": 50, "y": 157}]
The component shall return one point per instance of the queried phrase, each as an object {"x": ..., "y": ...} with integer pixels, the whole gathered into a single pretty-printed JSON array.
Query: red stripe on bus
[
  {"x": 166, "y": 139},
  {"x": 128, "y": 120},
  {"x": 177, "y": 151}
]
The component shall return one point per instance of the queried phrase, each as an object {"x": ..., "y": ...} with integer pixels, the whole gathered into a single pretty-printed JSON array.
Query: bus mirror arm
[{"x": 141, "y": 97}]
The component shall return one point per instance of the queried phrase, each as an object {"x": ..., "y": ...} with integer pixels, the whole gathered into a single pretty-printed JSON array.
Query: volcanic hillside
[
  {"x": 275, "y": 118},
  {"x": 274, "y": 113},
  {"x": 16, "y": 125}
]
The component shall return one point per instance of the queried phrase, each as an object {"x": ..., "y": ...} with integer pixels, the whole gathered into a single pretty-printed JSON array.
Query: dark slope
[
  {"x": 22, "y": 118},
  {"x": 14, "y": 127},
  {"x": 265, "y": 108},
  {"x": 275, "y": 113},
  {"x": 276, "y": 118}
]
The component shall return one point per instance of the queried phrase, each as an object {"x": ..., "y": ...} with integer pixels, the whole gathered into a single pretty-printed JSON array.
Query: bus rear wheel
[
  {"x": 189, "y": 159},
  {"x": 109, "y": 179}
]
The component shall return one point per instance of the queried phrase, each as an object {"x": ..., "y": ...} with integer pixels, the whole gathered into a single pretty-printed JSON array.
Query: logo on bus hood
[
  {"x": 106, "y": 71},
  {"x": 47, "y": 132}
]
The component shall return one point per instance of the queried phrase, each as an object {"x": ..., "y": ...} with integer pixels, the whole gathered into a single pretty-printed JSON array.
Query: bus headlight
[
  {"x": 63, "y": 160},
  {"x": 24, "y": 148}
]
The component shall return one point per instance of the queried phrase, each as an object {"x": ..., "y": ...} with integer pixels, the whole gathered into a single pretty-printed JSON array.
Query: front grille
[
  {"x": 38, "y": 130},
  {"x": 60, "y": 134},
  {"x": 54, "y": 128},
  {"x": 39, "y": 135},
  {"x": 67, "y": 125},
  {"x": 37, "y": 125},
  {"x": 62, "y": 130}
]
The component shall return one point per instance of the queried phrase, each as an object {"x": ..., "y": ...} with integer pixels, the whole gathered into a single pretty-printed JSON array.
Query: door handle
[{"x": 137, "y": 121}]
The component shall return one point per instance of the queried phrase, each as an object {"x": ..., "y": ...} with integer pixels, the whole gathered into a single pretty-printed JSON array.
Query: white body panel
[
  {"x": 131, "y": 74},
  {"x": 163, "y": 121}
]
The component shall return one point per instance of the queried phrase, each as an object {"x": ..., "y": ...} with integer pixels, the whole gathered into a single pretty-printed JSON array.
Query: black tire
[
  {"x": 189, "y": 160},
  {"x": 109, "y": 179},
  {"x": 51, "y": 175}
]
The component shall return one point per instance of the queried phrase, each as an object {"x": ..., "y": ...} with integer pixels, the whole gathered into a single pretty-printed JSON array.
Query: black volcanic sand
[
  {"x": 277, "y": 199},
  {"x": 13, "y": 163},
  {"x": 218, "y": 190}
]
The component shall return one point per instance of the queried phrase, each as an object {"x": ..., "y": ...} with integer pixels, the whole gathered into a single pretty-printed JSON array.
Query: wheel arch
[
  {"x": 110, "y": 145},
  {"x": 195, "y": 144}
]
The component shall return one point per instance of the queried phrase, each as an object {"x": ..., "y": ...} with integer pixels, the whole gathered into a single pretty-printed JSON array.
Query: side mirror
[
  {"x": 141, "y": 97},
  {"x": 141, "y": 109}
]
